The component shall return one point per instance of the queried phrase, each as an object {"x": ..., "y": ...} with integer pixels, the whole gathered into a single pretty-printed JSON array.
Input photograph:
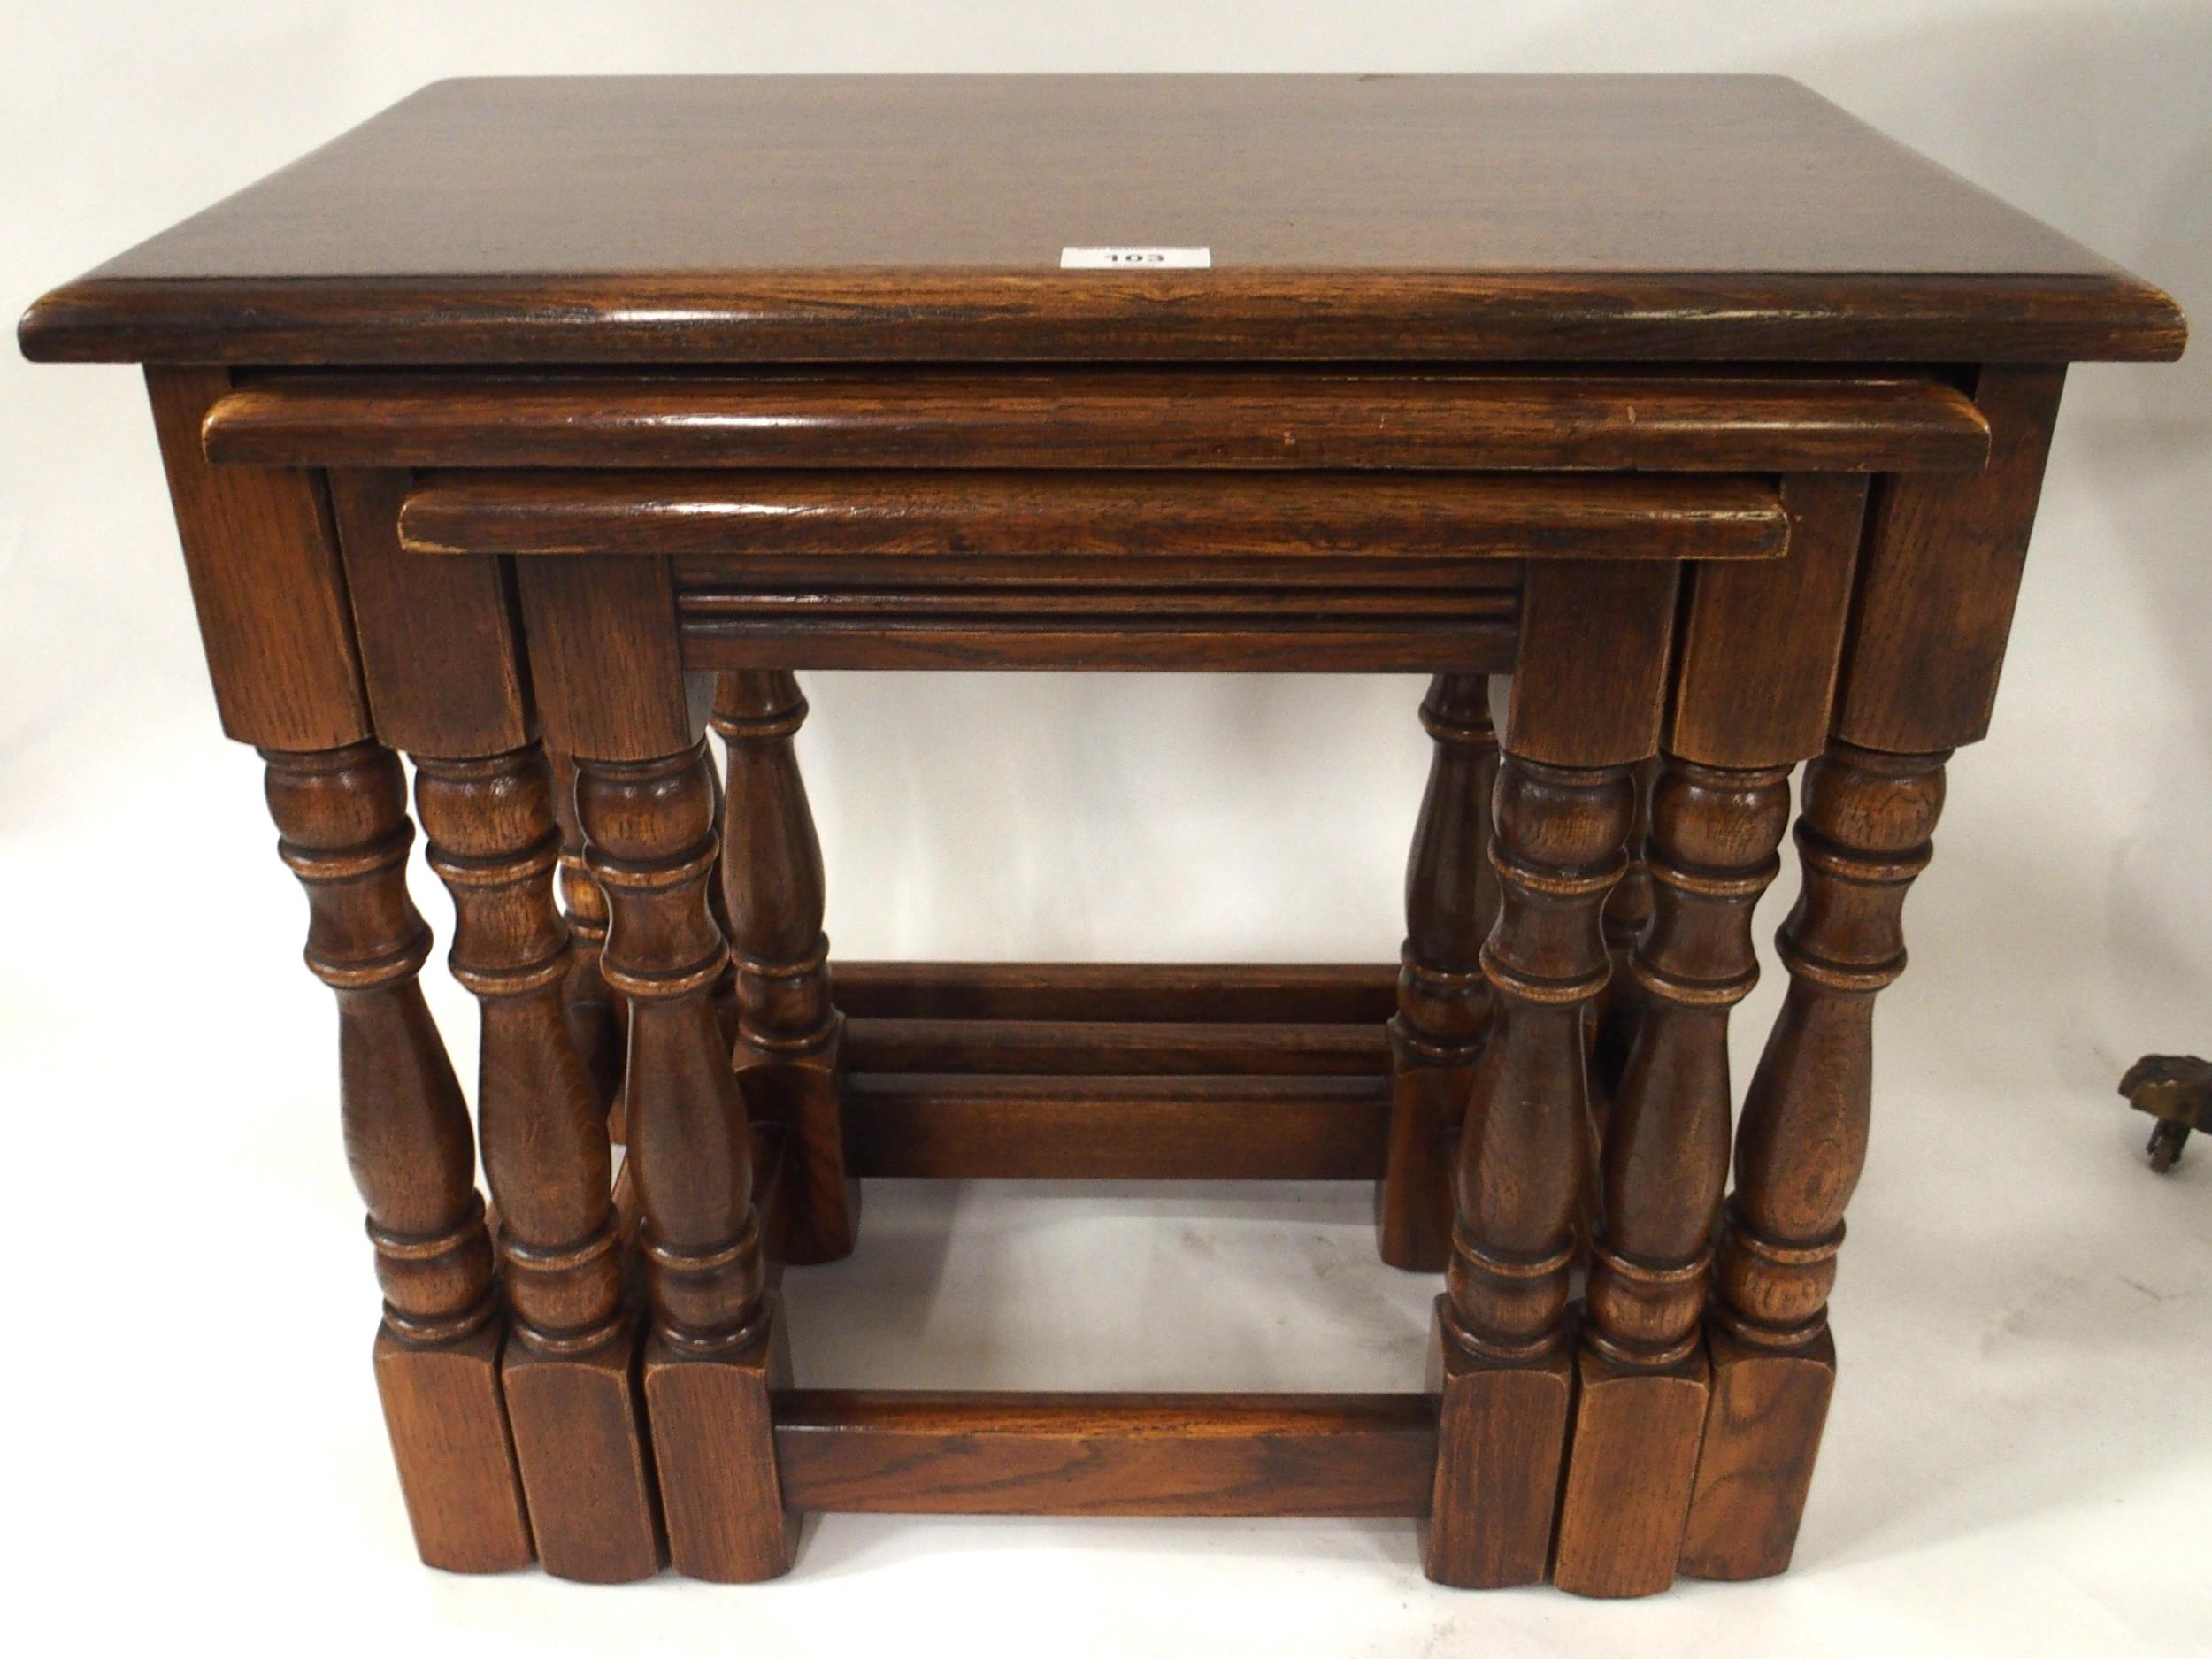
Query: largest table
[{"x": 536, "y": 425}]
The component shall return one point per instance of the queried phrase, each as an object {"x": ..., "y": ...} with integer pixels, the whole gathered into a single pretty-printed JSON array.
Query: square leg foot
[
  {"x": 579, "y": 1421},
  {"x": 1500, "y": 1432},
  {"x": 1413, "y": 1201},
  {"x": 714, "y": 1447},
  {"x": 1761, "y": 1435},
  {"x": 448, "y": 1421},
  {"x": 821, "y": 1203},
  {"x": 1632, "y": 1461}
]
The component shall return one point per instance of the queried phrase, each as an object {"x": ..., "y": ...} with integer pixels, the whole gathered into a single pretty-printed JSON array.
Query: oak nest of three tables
[{"x": 1680, "y": 429}]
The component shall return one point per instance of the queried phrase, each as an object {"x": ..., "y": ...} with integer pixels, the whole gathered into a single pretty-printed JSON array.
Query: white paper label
[{"x": 1136, "y": 258}]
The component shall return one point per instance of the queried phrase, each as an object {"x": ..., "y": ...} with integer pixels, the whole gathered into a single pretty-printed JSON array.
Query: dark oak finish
[
  {"x": 646, "y": 802},
  {"x": 441, "y": 658},
  {"x": 570, "y": 1372},
  {"x": 789, "y": 1035},
  {"x": 886, "y": 218},
  {"x": 445, "y": 679},
  {"x": 1046, "y": 1453},
  {"x": 1118, "y": 1128},
  {"x": 1144, "y": 518},
  {"x": 1126, "y": 1047},
  {"x": 597, "y": 1017},
  {"x": 1862, "y": 835},
  {"x": 1443, "y": 1000},
  {"x": 1151, "y": 993},
  {"x": 343, "y": 814},
  {"x": 1942, "y": 569},
  {"x": 1470, "y": 635},
  {"x": 535, "y": 427},
  {"x": 1143, "y": 537},
  {"x": 649, "y": 836},
  {"x": 1754, "y": 680},
  {"x": 1585, "y": 704},
  {"x": 264, "y": 569},
  {"x": 1275, "y": 419},
  {"x": 1641, "y": 1403}
]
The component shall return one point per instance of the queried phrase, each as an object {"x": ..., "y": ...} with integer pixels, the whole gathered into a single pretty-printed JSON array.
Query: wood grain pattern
[
  {"x": 1141, "y": 517},
  {"x": 573, "y": 1396},
  {"x": 1755, "y": 1471},
  {"x": 263, "y": 563},
  {"x": 1613, "y": 1016},
  {"x": 343, "y": 816},
  {"x": 1060, "y": 1454},
  {"x": 440, "y": 649},
  {"x": 1864, "y": 833},
  {"x": 1639, "y": 1408},
  {"x": 1278, "y": 418},
  {"x": 1495, "y": 1486},
  {"x": 1522, "y": 1166},
  {"x": 492, "y": 842},
  {"x": 1584, "y": 709},
  {"x": 712, "y": 1432},
  {"x": 1590, "y": 682},
  {"x": 650, "y": 831},
  {"x": 1941, "y": 571},
  {"x": 447, "y": 1423},
  {"x": 749, "y": 218},
  {"x": 1753, "y": 684},
  {"x": 1117, "y": 1128},
  {"x": 1580, "y": 380},
  {"x": 1633, "y": 1454},
  {"x": 603, "y": 658},
  {"x": 1755, "y": 670},
  {"x": 580, "y": 1439},
  {"x": 442, "y": 655}
]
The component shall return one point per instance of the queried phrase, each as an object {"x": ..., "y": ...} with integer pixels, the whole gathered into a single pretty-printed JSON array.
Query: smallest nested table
[{"x": 1680, "y": 430}]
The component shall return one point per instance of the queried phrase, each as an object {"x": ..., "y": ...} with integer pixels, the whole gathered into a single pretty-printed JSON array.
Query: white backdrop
[{"x": 2019, "y": 1452}]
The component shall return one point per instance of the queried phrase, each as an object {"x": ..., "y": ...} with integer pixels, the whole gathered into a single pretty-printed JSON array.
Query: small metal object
[{"x": 2176, "y": 1090}]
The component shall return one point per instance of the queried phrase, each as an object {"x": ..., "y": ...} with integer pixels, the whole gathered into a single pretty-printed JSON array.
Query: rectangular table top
[{"x": 803, "y": 217}]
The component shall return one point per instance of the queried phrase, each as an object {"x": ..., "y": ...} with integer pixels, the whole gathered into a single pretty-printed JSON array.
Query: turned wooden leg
[
  {"x": 343, "y": 814},
  {"x": 1862, "y": 835},
  {"x": 713, "y": 1354},
  {"x": 1588, "y": 689},
  {"x": 597, "y": 1017},
  {"x": 789, "y": 1036},
  {"x": 574, "y": 1397},
  {"x": 1627, "y": 912},
  {"x": 1500, "y": 1359},
  {"x": 1443, "y": 1000},
  {"x": 1641, "y": 1403}
]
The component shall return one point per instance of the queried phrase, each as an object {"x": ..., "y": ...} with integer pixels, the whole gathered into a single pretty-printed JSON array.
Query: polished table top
[{"x": 802, "y": 218}]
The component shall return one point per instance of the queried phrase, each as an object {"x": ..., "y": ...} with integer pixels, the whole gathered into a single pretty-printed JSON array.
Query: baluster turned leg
[
  {"x": 650, "y": 830},
  {"x": 1586, "y": 703},
  {"x": 1627, "y": 913},
  {"x": 571, "y": 1374},
  {"x": 1502, "y": 1362},
  {"x": 597, "y": 1017},
  {"x": 789, "y": 1035},
  {"x": 343, "y": 814},
  {"x": 610, "y": 689},
  {"x": 1641, "y": 1403},
  {"x": 1863, "y": 835},
  {"x": 1443, "y": 1000}
]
